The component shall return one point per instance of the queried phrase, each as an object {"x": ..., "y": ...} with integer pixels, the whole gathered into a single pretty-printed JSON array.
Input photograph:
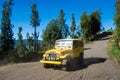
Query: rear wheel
[{"x": 81, "y": 58}]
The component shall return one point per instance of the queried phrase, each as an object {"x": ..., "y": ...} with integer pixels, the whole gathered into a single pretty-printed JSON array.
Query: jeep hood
[{"x": 58, "y": 50}]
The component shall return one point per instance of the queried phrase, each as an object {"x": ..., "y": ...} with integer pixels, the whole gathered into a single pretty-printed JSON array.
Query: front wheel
[{"x": 68, "y": 63}]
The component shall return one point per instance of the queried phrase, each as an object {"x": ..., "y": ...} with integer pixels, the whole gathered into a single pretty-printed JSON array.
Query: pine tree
[
  {"x": 90, "y": 25},
  {"x": 29, "y": 42},
  {"x": 64, "y": 29},
  {"x": 61, "y": 21},
  {"x": 94, "y": 23},
  {"x": 6, "y": 39},
  {"x": 73, "y": 27},
  {"x": 35, "y": 21},
  {"x": 51, "y": 34},
  {"x": 20, "y": 46}
]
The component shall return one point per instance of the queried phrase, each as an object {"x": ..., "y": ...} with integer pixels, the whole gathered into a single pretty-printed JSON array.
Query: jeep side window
[{"x": 75, "y": 44}]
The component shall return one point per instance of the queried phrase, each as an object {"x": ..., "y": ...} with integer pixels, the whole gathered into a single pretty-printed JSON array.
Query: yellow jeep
[{"x": 66, "y": 53}]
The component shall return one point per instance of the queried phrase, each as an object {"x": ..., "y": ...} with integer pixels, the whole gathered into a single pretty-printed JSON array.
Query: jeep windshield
[{"x": 64, "y": 43}]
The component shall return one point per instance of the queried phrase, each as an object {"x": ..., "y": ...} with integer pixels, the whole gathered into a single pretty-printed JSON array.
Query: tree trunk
[{"x": 35, "y": 40}]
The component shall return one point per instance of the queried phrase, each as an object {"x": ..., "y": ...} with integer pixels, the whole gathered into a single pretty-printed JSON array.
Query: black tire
[
  {"x": 81, "y": 58},
  {"x": 47, "y": 66},
  {"x": 68, "y": 63}
]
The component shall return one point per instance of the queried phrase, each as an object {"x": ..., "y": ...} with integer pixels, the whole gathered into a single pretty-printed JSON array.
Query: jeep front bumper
[{"x": 51, "y": 62}]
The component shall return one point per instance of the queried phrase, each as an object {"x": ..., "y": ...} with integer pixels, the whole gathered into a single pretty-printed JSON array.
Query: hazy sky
[{"x": 49, "y": 9}]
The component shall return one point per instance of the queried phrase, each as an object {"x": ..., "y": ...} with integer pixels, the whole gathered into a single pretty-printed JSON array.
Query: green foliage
[
  {"x": 78, "y": 31},
  {"x": 20, "y": 46},
  {"x": 73, "y": 27},
  {"x": 94, "y": 22},
  {"x": 114, "y": 43},
  {"x": 114, "y": 50},
  {"x": 117, "y": 34},
  {"x": 90, "y": 24},
  {"x": 61, "y": 20},
  {"x": 117, "y": 20},
  {"x": 6, "y": 38},
  {"x": 25, "y": 52},
  {"x": 117, "y": 13},
  {"x": 35, "y": 21},
  {"x": 51, "y": 33},
  {"x": 64, "y": 29},
  {"x": 29, "y": 42},
  {"x": 10, "y": 58},
  {"x": 84, "y": 25}
]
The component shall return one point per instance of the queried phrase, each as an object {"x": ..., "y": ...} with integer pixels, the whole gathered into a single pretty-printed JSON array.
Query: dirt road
[{"x": 97, "y": 67}]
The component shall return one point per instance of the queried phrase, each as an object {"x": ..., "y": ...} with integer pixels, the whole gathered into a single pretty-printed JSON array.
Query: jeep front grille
[{"x": 51, "y": 57}]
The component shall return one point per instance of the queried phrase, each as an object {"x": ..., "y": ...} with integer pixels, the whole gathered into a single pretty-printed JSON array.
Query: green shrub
[{"x": 114, "y": 50}]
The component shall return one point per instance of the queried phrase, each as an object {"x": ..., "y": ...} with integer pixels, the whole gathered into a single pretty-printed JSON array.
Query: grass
[{"x": 114, "y": 50}]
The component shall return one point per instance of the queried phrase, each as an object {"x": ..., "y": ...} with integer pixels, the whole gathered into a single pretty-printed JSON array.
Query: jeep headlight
[
  {"x": 57, "y": 55},
  {"x": 47, "y": 55}
]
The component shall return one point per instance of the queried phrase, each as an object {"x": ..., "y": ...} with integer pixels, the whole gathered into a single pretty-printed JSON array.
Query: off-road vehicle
[{"x": 66, "y": 53}]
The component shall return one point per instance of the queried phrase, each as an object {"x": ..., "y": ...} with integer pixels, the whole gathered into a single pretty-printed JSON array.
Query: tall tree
[
  {"x": 117, "y": 19},
  {"x": 35, "y": 21},
  {"x": 61, "y": 22},
  {"x": 94, "y": 23},
  {"x": 90, "y": 25},
  {"x": 20, "y": 46},
  {"x": 7, "y": 40},
  {"x": 51, "y": 33},
  {"x": 64, "y": 29},
  {"x": 73, "y": 27}
]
